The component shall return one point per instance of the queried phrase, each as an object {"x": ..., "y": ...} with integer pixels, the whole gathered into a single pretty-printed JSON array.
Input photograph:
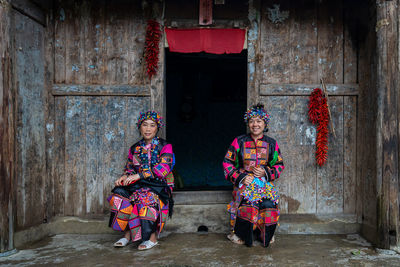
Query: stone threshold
[{"x": 187, "y": 219}]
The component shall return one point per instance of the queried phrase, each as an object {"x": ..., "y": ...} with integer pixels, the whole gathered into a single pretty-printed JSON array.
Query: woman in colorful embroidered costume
[
  {"x": 142, "y": 197},
  {"x": 252, "y": 163}
]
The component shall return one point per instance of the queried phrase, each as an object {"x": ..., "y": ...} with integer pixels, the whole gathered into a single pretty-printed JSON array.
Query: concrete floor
[{"x": 202, "y": 250}]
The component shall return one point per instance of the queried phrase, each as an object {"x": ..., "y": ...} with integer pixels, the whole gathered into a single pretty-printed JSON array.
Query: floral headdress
[
  {"x": 257, "y": 111},
  {"x": 150, "y": 115}
]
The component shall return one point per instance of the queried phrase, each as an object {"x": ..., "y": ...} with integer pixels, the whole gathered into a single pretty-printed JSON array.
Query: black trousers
[{"x": 244, "y": 229}]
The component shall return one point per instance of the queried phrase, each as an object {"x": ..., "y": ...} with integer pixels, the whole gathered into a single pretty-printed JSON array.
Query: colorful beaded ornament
[
  {"x": 257, "y": 111},
  {"x": 150, "y": 115},
  {"x": 258, "y": 190}
]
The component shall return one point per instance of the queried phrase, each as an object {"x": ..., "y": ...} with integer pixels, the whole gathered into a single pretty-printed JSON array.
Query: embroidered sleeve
[
  {"x": 275, "y": 165},
  {"x": 167, "y": 162},
  {"x": 129, "y": 166},
  {"x": 162, "y": 170},
  {"x": 231, "y": 164}
]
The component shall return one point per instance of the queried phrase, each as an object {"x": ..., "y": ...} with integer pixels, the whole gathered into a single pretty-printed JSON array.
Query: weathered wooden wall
[
  {"x": 367, "y": 138},
  {"x": 314, "y": 42},
  {"x": 30, "y": 121},
  {"x": 99, "y": 89},
  {"x": 98, "y": 51},
  {"x": 7, "y": 164},
  {"x": 387, "y": 130}
]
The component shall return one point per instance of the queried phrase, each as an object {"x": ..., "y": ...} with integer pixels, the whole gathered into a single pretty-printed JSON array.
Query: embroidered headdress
[
  {"x": 257, "y": 111},
  {"x": 150, "y": 115}
]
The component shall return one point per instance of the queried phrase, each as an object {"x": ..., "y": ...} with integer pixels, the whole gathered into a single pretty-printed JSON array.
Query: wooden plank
[
  {"x": 253, "y": 49},
  {"x": 289, "y": 125},
  {"x": 112, "y": 155},
  {"x": 275, "y": 44},
  {"x": 306, "y": 89},
  {"x": 111, "y": 48},
  {"x": 31, "y": 143},
  {"x": 350, "y": 46},
  {"x": 94, "y": 132},
  {"x": 99, "y": 90},
  {"x": 330, "y": 41},
  {"x": 94, "y": 42},
  {"x": 7, "y": 137},
  {"x": 59, "y": 155},
  {"x": 30, "y": 10},
  {"x": 74, "y": 41},
  {"x": 391, "y": 124},
  {"x": 75, "y": 155},
  {"x": 136, "y": 33},
  {"x": 388, "y": 150},
  {"x": 122, "y": 40},
  {"x": 304, "y": 42},
  {"x": 60, "y": 27},
  {"x": 49, "y": 115},
  {"x": 350, "y": 197},
  {"x": 330, "y": 176}
]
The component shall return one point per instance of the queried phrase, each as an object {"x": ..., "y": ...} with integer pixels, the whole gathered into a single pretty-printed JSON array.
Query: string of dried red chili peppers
[
  {"x": 319, "y": 114},
  {"x": 153, "y": 34}
]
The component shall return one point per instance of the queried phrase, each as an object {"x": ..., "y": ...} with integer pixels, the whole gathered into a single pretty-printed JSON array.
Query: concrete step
[{"x": 192, "y": 210}]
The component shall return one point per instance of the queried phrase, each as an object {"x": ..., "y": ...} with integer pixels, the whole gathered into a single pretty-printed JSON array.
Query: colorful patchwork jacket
[
  {"x": 245, "y": 153},
  {"x": 159, "y": 169}
]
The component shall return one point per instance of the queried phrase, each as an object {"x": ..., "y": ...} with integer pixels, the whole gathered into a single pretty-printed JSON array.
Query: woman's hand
[
  {"x": 132, "y": 178},
  {"x": 259, "y": 172},
  {"x": 121, "y": 180},
  {"x": 247, "y": 180}
]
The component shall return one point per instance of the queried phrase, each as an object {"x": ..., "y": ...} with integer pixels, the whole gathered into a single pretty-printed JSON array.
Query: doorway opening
[{"x": 206, "y": 97}]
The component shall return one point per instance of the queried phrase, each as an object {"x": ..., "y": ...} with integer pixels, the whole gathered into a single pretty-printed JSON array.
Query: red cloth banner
[{"x": 213, "y": 41}]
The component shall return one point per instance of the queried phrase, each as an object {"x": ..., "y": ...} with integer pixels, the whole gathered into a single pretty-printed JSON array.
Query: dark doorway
[{"x": 206, "y": 100}]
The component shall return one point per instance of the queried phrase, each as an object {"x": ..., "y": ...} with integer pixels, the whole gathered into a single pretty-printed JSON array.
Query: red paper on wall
[{"x": 214, "y": 41}]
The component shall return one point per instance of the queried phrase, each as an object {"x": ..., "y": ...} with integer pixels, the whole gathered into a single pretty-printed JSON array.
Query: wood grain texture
[
  {"x": 289, "y": 125},
  {"x": 75, "y": 41},
  {"x": 387, "y": 130},
  {"x": 60, "y": 27},
  {"x": 275, "y": 46},
  {"x": 75, "y": 154},
  {"x": 31, "y": 142},
  {"x": 306, "y": 89},
  {"x": 330, "y": 176},
  {"x": 303, "y": 42},
  {"x": 350, "y": 46},
  {"x": 94, "y": 22},
  {"x": 330, "y": 41},
  {"x": 7, "y": 139},
  {"x": 99, "y": 90},
  {"x": 94, "y": 135},
  {"x": 253, "y": 50},
  {"x": 350, "y": 196},
  {"x": 59, "y": 155}
]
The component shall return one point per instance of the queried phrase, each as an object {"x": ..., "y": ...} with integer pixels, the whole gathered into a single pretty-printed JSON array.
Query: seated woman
[
  {"x": 142, "y": 197},
  {"x": 252, "y": 163}
]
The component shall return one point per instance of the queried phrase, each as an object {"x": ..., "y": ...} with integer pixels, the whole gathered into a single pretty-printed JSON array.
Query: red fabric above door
[{"x": 214, "y": 41}]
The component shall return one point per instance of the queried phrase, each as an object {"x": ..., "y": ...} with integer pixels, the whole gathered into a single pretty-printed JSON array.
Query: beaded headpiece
[
  {"x": 150, "y": 115},
  {"x": 257, "y": 111}
]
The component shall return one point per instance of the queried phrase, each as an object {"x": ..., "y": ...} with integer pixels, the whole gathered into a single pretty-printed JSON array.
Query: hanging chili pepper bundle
[
  {"x": 319, "y": 114},
  {"x": 153, "y": 34}
]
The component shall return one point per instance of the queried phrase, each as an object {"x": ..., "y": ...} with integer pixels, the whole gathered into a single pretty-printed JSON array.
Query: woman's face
[
  {"x": 256, "y": 126},
  {"x": 148, "y": 129}
]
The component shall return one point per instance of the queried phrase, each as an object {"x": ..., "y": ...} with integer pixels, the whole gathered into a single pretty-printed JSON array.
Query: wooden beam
[
  {"x": 7, "y": 134},
  {"x": 99, "y": 90},
  {"x": 306, "y": 89},
  {"x": 387, "y": 130}
]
